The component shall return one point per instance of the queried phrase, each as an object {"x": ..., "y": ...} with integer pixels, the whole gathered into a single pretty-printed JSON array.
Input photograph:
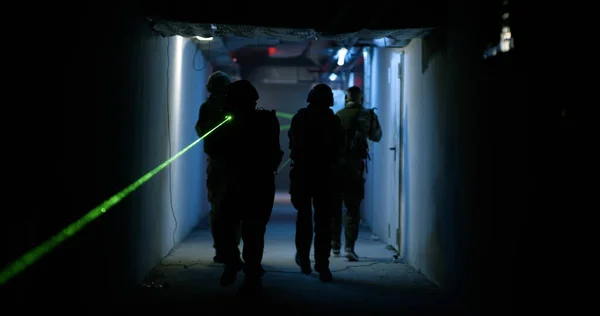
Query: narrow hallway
[
  {"x": 108, "y": 98},
  {"x": 375, "y": 285}
]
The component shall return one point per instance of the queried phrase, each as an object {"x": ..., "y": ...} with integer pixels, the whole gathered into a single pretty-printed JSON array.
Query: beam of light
[
  {"x": 200, "y": 38},
  {"x": 285, "y": 163},
  {"x": 284, "y": 115},
  {"x": 36, "y": 253},
  {"x": 285, "y": 127}
]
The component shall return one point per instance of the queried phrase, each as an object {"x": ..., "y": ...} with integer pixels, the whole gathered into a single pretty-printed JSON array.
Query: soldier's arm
[
  {"x": 199, "y": 122},
  {"x": 340, "y": 137},
  {"x": 291, "y": 134},
  {"x": 202, "y": 125},
  {"x": 375, "y": 131}
]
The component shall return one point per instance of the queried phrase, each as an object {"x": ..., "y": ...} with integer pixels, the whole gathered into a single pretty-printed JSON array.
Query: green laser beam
[
  {"x": 284, "y": 115},
  {"x": 36, "y": 253},
  {"x": 285, "y": 127},
  {"x": 285, "y": 163}
]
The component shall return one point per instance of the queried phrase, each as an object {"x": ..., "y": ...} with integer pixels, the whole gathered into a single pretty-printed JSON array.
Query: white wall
[
  {"x": 423, "y": 159},
  {"x": 436, "y": 91},
  {"x": 186, "y": 178},
  {"x": 429, "y": 166},
  {"x": 108, "y": 126}
]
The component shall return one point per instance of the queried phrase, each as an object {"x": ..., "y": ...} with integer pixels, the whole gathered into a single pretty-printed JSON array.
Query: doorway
[
  {"x": 383, "y": 209},
  {"x": 395, "y": 214}
]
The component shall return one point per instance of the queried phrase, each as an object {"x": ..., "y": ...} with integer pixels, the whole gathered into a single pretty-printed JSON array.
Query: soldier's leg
[
  {"x": 238, "y": 234},
  {"x": 254, "y": 226},
  {"x": 253, "y": 235},
  {"x": 324, "y": 206},
  {"x": 213, "y": 223},
  {"x": 211, "y": 220},
  {"x": 227, "y": 219},
  {"x": 304, "y": 230},
  {"x": 301, "y": 200},
  {"x": 216, "y": 186},
  {"x": 336, "y": 225},
  {"x": 209, "y": 196},
  {"x": 352, "y": 218}
]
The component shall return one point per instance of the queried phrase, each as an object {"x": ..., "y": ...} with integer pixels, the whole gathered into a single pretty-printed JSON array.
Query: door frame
[{"x": 402, "y": 163}]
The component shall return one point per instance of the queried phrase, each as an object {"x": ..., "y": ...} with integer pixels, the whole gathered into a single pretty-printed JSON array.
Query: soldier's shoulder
[
  {"x": 266, "y": 114},
  {"x": 209, "y": 104},
  {"x": 366, "y": 111},
  {"x": 343, "y": 112},
  {"x": 301, "y": 112}
]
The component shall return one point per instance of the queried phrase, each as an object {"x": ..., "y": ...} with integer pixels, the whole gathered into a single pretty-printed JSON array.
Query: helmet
[
  {"x": 241, "y": 92},
  {"x": 321, "y": 94},
  {"x": 218, "y": 82}
]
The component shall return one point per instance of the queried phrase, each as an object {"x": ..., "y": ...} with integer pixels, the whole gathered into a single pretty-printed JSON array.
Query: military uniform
[
  {"x": 211, "y": 114},
  {"x": 366, "y": 125}
]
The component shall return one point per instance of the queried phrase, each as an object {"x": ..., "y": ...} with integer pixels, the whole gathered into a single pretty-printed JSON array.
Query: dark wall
[
  {"x": 90, "y": 99},
  {"x": 73, "y": 165},
  {"x": 494, "y": 106}
]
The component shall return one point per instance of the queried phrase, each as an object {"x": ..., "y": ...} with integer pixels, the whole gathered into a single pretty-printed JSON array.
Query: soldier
[
  {"x": 211, "y": 114},
  {"x": 250, "y": 149},
  {"x": 315, "y": 137},
  {"x": 359, "y": 125}
]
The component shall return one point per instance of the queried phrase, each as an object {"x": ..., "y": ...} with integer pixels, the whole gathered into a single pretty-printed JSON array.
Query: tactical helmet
[
  {"x": 218, "y": 82},
  {"x": 321, "y": 94},
  {"x": 241, "y": 92}
]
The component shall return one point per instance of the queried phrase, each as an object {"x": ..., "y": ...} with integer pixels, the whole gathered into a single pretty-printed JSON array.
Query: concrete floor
[{"x": 187, "y": 280}]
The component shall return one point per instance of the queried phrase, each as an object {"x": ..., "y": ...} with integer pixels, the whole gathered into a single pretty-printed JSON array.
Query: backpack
[
  {"x": 269, "y": 142},
  {"x": 356, "y": 145},
  {"x": 251, "y": 143},
  {"x": 315, "y": 138}
]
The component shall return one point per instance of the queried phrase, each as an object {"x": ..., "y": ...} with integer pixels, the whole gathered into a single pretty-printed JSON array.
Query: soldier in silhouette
[
  {"x": 316, "y": 139},
  {"x": 211, "y": 114},
  {"x": 249, "y": 146}
]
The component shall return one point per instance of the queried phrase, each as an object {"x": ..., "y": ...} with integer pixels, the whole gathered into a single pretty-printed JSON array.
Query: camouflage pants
[
  {"x": 216, "y": 185},
  {"x": 353, "y": 189}
]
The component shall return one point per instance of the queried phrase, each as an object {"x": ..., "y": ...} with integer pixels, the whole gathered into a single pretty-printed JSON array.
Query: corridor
[
  {"x": 108, "y": 174},
  {"x": 375, "y": 285}
]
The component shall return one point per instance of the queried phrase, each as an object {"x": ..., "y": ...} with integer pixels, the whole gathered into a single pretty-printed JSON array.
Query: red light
[{"x": 271, "y": 51}]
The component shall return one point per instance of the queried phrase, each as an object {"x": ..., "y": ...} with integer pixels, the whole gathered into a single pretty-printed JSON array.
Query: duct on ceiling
[{"x": 187, "y": 29}]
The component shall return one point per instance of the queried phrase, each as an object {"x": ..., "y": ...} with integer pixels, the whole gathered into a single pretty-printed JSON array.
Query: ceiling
[
  {"x": 325, "y": 17},
  {"x": 307, "y": 33}
]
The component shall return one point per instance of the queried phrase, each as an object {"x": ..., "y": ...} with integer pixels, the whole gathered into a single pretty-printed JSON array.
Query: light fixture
[
  {"x": 506, "y": 42},
  {"x": 332, "y": 77},
  {"x": 200, "y": 38},
  {"x": 342, "y": 56},
  {"x": 506, "y": 38}
]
